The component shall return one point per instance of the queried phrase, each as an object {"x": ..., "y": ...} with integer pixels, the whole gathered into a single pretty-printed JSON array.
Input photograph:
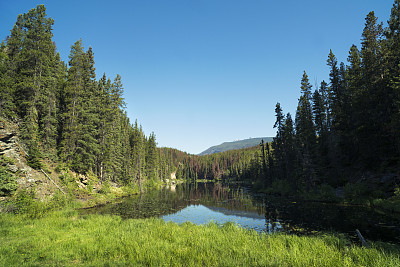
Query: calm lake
[{"x": 201, "y": 203}]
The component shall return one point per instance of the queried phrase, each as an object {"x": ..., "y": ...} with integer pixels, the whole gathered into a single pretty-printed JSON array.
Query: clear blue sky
[{"x": 202, "y": 72}]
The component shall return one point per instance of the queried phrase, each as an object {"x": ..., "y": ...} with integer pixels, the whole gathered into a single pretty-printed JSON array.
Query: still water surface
[{"x": 201, "y": 203}]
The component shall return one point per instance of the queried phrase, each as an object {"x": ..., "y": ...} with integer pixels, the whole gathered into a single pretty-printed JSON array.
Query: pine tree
[
  {"x": 33, "y": 54},
  {"x": 319, "y": 108},
  {"x": 7, "y": 107},
  {"x": 304, "y": 122},
  {"x": 334, "y": 91},
  {"x": 339, "y": 112},
  {"x": 11, "y": 75},
  {"x": 79, "y": 145},
  {"x": 392, "y": 74},
  {"x": 104, "y": 125},
  {"x": 277, "y": 143},
  {"x": 319, "y": 115},
  {"x": 289, "y": 151},
  {"x": 264, "y": 162},
  {"x": 119, "y": 132},
  {"x": 137, "y": 141},
  {"x": 151, "y": 157},
  {"x": 305, "y": 132},
  {"x": 356, "y": 93},
  {"x": 371, "y": 98}
]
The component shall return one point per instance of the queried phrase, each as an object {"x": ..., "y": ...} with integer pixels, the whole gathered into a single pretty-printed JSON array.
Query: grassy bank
[{"x": 64, "y": 238}]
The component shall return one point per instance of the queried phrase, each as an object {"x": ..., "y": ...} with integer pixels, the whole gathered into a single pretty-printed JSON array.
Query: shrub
[
  {"x": 58, "y": 201},
  {"x": 8, "y": 183},
  {"x": 4, "y": 161},
  {"x": 105, "y": 188},
  {"x": 25, "y": 204}
]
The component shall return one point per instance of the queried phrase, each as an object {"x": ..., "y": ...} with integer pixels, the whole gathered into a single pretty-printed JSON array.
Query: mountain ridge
[{"x": 235, "y": 145}]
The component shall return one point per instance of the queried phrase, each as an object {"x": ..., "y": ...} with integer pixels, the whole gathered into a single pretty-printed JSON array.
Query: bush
[
  {"x": 105, "y": 188},
  {"x": 8, "y": 183},
  {"x": 58, "y": 201},
  {"x": 4, "y": 161},
  {"x": 26, "y": 204}
]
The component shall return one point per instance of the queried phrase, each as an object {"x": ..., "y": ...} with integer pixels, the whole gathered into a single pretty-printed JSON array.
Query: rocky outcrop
[
  {"x": 9, "y": 140},
  {"x": 14, "y": 156}
]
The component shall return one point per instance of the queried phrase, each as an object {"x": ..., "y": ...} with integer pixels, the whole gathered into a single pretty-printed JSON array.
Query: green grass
[{"x": 64, "y": 238}]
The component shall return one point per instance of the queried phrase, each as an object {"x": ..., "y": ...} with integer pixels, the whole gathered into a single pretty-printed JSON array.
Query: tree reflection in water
[{"x": 202, "y": 202}]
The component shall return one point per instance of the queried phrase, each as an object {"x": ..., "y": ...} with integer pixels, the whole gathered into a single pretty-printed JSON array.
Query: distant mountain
[{"x": 235, "y": 145}]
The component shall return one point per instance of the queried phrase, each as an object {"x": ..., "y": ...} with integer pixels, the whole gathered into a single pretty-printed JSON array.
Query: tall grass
[{"x": 64, "y": 238}]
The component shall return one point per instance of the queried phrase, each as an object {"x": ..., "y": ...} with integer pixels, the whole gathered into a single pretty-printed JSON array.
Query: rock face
[
  {"x": 9, "y": 146},
  {"x": 8, "y": 140},
  {"x": 11, "y": 149}
]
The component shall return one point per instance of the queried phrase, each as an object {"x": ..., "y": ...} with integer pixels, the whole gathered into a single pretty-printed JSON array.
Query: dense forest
[
  {"x": 350, "y": 125},
  {"x": 222, "y": 165},
  {"x": 65, "y": 114},
  {"x": 343, "y": 130}
]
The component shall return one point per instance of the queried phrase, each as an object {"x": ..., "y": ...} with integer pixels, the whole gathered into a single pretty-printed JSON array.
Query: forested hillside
[
  {"x": 65, "y": 114},
  {"x": 235, "y": 145}
]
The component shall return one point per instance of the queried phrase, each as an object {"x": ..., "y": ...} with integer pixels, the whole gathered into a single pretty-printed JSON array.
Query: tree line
[
  {"x": 345, "y": 127},
  {"x": 65, "y": 114},
  {"x": 349, "y": 124}
]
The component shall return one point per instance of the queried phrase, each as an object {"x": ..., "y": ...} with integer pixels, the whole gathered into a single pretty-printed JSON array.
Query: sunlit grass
[{"x": 65, "y": 238}]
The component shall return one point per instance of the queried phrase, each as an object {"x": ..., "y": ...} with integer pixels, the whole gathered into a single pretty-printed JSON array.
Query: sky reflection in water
[{"x": 200, "y": 214}]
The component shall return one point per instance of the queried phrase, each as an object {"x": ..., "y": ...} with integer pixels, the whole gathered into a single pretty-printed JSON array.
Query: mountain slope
[{"x": 235, "y": 145}]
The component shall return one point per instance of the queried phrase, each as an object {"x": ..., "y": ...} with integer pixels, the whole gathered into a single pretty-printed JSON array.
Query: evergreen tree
[
  {"x": 137, "y": 141},
  {"x": 337, "y": 116},
  {"x": 334, "y": 91},
  {"x": 392, "y": 75},
  {"x": 289, "y": 151},
  {"x": 151, "y": 157},
  {"x": 277, "y": 143},
  {"x": 11, "y": 75},
  {"x": 79, "y": 145},
  {"x": 7, "y": 107},
  {"x": 371, "y": 97},
  {"x": 34, "y": 60},
  {"x": 263, "y": 161},
  {"x": 319, "y": 108},
  {"x": 305, "y": 133},
  {"x": 319, "y": 115},
  {"x": 356, "y": 91}
]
